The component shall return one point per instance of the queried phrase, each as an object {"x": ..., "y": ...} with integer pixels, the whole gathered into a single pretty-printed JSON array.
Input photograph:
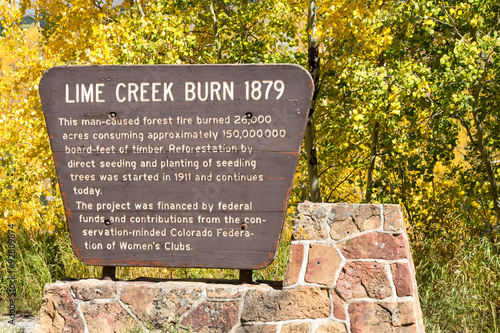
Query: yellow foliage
[{"x": 95, "y": 32}]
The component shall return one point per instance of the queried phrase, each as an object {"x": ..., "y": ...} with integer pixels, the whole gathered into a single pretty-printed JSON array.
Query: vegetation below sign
[{"x": 181, "y": 166}]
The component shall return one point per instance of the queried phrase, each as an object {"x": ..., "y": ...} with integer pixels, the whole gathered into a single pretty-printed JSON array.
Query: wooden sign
[{"x": 179, "y": 166}]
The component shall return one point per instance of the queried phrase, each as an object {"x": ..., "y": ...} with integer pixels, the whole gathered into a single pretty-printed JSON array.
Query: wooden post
[
  {"x": 108, "y": 272},
  {"x": 245, "y": 276}
]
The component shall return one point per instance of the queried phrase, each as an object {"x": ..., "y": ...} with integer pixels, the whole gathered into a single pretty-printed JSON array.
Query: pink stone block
[
  {"x": 364, "y": 279},
  {"x": 294, "y": 265},
  {"x": 402, "y": 313},
  {"x": 107, "y": 318},
  {"x": 338, "y": 306},
  {"x": 59, "y": 311},
  {"x": 402, "y": 278},
  {"x": 368, "y": 317},
  {"x": 323, "y": 263},
  {"x": 213, "y": 316},
  {"x": 376, "y": 245}
]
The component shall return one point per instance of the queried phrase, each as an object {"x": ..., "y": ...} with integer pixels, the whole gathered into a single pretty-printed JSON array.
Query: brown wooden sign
[{"x": 180, "y": 166}]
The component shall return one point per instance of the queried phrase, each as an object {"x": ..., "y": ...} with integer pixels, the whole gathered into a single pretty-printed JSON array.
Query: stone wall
[
  {"x": 350, "y": 270},
  {"x": 360, "y": 254}
]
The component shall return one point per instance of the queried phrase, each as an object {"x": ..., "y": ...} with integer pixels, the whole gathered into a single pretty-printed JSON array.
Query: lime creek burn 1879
[
  {"x": 180, "y": 166},
  {"x": 162, "y": 91}
]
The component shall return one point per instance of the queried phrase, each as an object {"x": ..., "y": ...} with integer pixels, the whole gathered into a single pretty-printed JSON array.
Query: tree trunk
[
  {"x": 310, "y": 134},
  {"x": 485, "y": 157},
  {"x": 373, "y": 156}
]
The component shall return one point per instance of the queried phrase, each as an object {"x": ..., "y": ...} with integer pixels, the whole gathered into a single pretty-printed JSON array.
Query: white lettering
[
  {"x": 87, "y": 94},
  {"x": 155, "y": 91},
  {"x": 144, "y": 91},
  {"x": 98, "y": 92},
  {"x": 166, "y": 91},
  {"x": 209, "y": 90},
  {"x": 67, "y": 95},
  {"x": 118, "y": 98},
  {"x": 190, "y": 94},
  {"x": 214, "y": 90},
  {"x": 132, "y": 91}
]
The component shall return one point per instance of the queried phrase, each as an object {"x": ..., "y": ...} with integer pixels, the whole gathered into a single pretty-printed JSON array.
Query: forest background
[{"x": 405, "y": 111}]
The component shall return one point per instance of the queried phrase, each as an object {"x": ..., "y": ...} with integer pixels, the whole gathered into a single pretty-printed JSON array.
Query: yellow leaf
[{"x": 359, "y": 117}]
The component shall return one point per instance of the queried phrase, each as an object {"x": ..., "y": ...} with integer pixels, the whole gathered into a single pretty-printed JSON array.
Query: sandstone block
[
  {"x": 323, "y": 263},
  {"x": 159, "y": 306},
  {"x": 51, "y": 320},
  {"x": 346, "y": 220},
  {"x": 223, "y": 292},
  {"x": 402, "y": 313},
  {"x": 139, "y": 297},
  {"x": 58, "y": 312},
  {"x": 393, "y": 218},
  {"x": 107, "y": 318},
  {"x": 90, "y": 289},
  {"x": 402, "y": 278},
  {"x": 296, "y": 328},
  {"x": 177, "y": 297},
  {"x": 366, "y": 317},
  {"x": 294, "y": 265},
  {"x": 375, "y": 245},
  {"x": 338, "y": 306},
  {"x": 332, "y": 327},
  {"x": 213, "y": 317},
  {"x": 305, "y": 208},
  {"x": 364, "y": 279},
  {"x": 320, "y": 211},
  {"x": 344, "y": 228},
  {"x": 257, "y": 329},
  {"x": 306, "y": 228},
  {"x": 276, "y": 305}
]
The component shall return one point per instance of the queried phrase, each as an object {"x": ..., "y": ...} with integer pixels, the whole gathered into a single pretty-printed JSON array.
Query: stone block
[
  {"x": 257, "y": 329},
  {"x": 364, "y": 279},
  {"x": 91, "y": 289},
  {"x": 261, "y": 305},
  {"x": 277, "y": 305},
  {"x": 403, "y": 279},
  {"x": 320, "y": 211},
  {"x": 375, "y": 245},
  {"x": 294, "y": 265},
  {"x": 159, "y": 306},
  {"x": 347, "y": 220},
  {"x": 139, "y": 297},
  {"x": 307, "y": 228},
  {"x": 305, "y": 208},
  {"x": 107, "y": 317},
  {"x": 213, "y": 317},
  {"x": 338, "y": 306},
  {"x": 58, "y": 312},
  {"x": 402, "y": 313},
  {"x": 393, "y": 218},
  {"x": 178, "y": 297},
  {"x": 367, "y": 317},
  {"x": 342, "y": 229},
  {"x": 323, "y": 263},
  {"x": 223, "y": 292},
  {"x": 332, "y": 327},
  {"x": 296, "y": 328}
]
